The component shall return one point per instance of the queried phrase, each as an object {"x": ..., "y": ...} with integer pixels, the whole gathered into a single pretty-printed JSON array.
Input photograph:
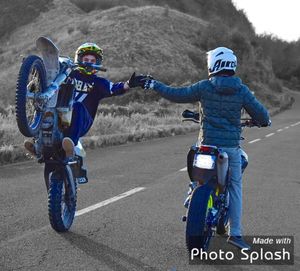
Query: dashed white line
[
  {"x": 78, "y": 213},
  {"x": 255, "y": 140},
  {"x": 268, "y": 135},
  {"x": 108, "y": 201},
  {"x": 258, "y": 139},
  {"x": 294, "y": 124}
]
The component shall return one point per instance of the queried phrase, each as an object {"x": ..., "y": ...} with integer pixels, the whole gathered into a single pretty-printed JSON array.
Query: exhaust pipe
[{"x": 222, "y": 167}]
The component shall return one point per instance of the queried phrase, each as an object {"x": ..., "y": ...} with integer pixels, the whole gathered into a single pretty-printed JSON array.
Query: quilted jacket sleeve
[
  {"x": 254, "y": 108},
  {"x": 186, "y": 94}
]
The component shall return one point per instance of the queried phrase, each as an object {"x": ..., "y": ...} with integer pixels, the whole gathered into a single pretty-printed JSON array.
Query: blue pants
[
  {"x": 80, "y": 124},
  {"x": 235, "y": 190}
]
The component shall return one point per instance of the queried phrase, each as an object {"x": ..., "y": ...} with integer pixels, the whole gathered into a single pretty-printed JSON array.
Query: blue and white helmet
[{"x": 221, "y": 59}]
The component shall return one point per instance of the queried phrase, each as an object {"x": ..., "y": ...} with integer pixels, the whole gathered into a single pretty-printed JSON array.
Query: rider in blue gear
[
  {"x": 222, "y": 97},
  {"x": 90, "y": 89}
]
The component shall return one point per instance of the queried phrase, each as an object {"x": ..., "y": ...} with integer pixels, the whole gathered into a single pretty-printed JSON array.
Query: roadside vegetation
[
  {"x": 166, "y": 39},
  {"x": 113, "y": 125}
]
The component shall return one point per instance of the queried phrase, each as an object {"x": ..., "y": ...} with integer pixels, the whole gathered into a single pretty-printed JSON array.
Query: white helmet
[{"x": 221, "y": 59}]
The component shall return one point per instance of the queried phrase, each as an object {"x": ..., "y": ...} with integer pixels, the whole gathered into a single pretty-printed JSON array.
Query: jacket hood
[{"x": 226, "y": 85}]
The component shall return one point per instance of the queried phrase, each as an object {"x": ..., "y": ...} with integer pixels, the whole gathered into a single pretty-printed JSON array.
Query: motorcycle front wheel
[
  {"x": 62, "y": 197},
  {"x": 31, "y": 80}
]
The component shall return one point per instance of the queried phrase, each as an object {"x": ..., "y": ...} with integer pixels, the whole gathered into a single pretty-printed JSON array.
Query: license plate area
[{"x": 204, "y": 161}]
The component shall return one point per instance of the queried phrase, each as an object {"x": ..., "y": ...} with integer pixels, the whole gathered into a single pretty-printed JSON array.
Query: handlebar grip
[{"x": 187, "y": 114}]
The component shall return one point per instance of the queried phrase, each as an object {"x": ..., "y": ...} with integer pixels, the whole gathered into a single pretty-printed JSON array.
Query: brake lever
[{"x": 190, "y": 119}]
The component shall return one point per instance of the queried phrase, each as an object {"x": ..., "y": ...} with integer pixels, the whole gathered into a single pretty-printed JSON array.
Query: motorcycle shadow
[{"x": 114, "y": 259}]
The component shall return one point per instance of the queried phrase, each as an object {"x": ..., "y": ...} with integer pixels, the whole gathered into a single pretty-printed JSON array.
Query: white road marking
[
  {"x": 258, "y": 139},
  {"x": 78, "y": 213},
  {"x": 108, "y": 201},
  {"x": 255, "y": 140},
  {"x": 268, "y": 135},
  {"x": 294, "y": 124}
]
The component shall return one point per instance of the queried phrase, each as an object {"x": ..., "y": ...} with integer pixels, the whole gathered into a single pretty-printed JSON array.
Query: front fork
[{"x": 62, "y": 173}]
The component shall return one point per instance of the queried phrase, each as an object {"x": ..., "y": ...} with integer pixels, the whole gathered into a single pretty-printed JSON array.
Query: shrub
[
  {"x": 91, "y": 5},
  {"x": 70, "y": 30},
  {"x": 83, "y": 27}
]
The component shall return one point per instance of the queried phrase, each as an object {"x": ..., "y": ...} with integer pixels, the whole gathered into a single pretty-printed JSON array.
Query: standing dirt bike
[
  {"x": 44, "y": 110},
  {"x": 208, "y": 206}
]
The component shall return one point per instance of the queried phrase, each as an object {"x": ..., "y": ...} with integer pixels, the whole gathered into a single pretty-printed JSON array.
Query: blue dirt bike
[
  {"x": 208, "y": 205},
  {"x": 44, "y": 100}
]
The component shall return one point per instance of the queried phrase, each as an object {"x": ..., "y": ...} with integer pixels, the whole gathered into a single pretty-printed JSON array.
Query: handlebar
[
  {"x": 195, "y": 117},
  {"x": 250, "y": 123},
  {"x": 90, "y": 65},
  {"x": 67, "y": 62},
  {"x": 190, "y": 116},
  {"x": 67, "y": 65}
]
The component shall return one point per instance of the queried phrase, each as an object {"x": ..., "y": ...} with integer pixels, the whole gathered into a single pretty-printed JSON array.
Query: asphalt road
[{"x": 142, "y": 229}]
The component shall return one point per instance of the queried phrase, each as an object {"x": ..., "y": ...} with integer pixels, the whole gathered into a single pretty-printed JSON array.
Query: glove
[
  {"x": 139, "y": 81},
  {"x": 267, "y": 124},
  {"x": 252, "y": 123},
  {"x": 148, "y": 82}
]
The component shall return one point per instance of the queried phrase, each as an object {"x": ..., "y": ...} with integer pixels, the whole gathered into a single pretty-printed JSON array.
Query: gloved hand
[
  {"x": 267, "y": 124},
  {"x": 139, "y": 81},
  {"x": 148, "y": 82}
]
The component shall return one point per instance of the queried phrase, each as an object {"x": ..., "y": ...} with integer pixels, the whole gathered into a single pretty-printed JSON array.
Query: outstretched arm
[
  {"x": 186, "y": 94},
  {"x": 117, "y": 88},
  {"x": 255, "y": 109}
]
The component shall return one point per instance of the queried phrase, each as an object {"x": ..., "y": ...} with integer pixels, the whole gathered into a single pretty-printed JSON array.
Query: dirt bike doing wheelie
[
  {"x": 43, "y": 110},
  {"x": 209, "y": 201}
]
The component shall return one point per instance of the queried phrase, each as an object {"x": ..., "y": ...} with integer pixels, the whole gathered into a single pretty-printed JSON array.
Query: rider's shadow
[{"x": 114, "y": 259}]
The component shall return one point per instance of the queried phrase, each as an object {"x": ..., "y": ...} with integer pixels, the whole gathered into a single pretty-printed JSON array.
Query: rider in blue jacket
[
  {"x": 222, "y": 97},
  {"x": 90, "y": 89}
]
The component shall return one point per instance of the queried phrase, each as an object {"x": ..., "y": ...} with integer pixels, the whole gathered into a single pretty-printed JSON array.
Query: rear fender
[
  {"x": 203, "y": 175},
  {"x": 190, "y": 160}
]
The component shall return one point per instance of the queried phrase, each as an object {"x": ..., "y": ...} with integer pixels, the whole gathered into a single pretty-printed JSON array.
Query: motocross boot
[
  {"x": 238, "y": 242},
  {"x": 68, "y": 147},
  {"x": 80, "y": 172},
  {"x": 29, "y": 146}
]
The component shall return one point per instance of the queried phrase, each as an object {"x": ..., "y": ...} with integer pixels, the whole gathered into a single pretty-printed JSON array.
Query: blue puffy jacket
[{"x": 222, "y": 99}]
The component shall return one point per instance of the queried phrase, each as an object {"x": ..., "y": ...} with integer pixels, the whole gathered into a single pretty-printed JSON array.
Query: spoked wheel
[
  {"x": 223, "y": 222},
  {"x": 48, "y": 169},
  {"x": 31, "y": 80},
  {"x": 61, "y": 203},
  {"x": 198, "y": 234}
]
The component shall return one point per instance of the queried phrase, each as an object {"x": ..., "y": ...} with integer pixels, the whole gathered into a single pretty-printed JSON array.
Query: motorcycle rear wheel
[
  {"x": 197, "y": 234},
  {"x": 31, "y": 80}
]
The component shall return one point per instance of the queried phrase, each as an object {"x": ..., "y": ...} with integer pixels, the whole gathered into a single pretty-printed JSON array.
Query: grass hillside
[
  {"x": 168, "y": 41},
  {"x": 205, "y": 9},
  {"x": 146, "y": 39},
  {"x": 19, "y": 12},
  {"x": 165, "y": 42}
]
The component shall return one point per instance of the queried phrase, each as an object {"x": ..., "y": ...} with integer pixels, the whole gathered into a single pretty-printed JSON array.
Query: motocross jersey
[{"x": 90, "y": 89}]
